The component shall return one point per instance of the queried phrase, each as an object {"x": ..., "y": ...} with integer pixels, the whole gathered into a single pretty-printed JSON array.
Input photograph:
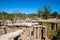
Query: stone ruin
[{"x": 33, "y": 32}]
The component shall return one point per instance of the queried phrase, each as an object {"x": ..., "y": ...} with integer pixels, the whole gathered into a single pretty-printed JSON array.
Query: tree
[
  {"x": 39, "y": 13},
  {"x": 54, "y": 14},
  {"x": 46, "y": 12},
  {"x": 4, "y": 16},
  {"x": 58, "y": 16}
]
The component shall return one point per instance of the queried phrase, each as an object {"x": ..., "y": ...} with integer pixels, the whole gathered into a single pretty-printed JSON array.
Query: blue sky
[{"x": 28, "y": 6}]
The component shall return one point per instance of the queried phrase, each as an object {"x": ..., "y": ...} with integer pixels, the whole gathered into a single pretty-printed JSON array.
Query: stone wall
[{"x": 30, "y": 33}]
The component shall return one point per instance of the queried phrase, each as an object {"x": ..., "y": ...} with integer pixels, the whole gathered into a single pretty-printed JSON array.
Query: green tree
[
  {"x": 4, "y": 16},
  {"x": 39, "y": 13},
  {"x": 54, "y": 14},
  {"x": 58, "y": 16},
  {"x": 46, "y": 12}
]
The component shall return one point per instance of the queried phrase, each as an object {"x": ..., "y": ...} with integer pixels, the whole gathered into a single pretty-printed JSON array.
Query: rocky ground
[{"x": 7, "y": 30}]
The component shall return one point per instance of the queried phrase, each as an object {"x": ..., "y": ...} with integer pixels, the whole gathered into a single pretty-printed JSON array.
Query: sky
[{"x": 28, "y": 6}]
